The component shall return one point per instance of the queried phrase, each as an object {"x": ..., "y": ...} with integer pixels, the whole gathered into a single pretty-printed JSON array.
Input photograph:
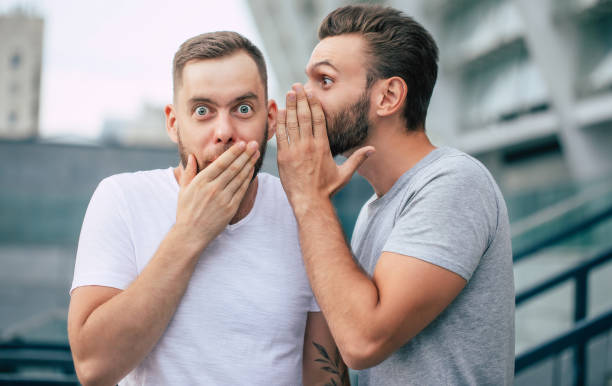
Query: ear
[
  {"x": 171, "y": 125},
  {"x": 390, "y": 96},
  {"x": 272, "y": 118}
]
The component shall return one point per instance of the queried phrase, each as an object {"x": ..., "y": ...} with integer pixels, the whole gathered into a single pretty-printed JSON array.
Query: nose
[{"x": 224, "y": 130}]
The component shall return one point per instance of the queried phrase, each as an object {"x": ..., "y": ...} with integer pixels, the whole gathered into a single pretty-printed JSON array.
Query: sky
[{"x": 106, "y": 59}]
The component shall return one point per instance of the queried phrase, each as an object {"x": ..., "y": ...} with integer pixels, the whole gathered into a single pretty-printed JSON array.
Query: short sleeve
[
  {"x": 105, "y": 254},
  {"x": 450, "y": 221},
  {"x": 314, "y": 305}
]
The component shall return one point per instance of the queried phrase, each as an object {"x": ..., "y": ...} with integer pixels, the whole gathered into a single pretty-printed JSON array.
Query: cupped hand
[
  {"x": 306, "y": 167},
  {"x": 208, "y": 200}
]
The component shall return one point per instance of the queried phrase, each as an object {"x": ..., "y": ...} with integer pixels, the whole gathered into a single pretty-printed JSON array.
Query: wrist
[
  {"x": 309, "y": 206},
  {"x": 190, "y": 242}
]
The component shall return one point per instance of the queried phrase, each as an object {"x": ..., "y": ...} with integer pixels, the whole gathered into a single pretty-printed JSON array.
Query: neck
[
  {"x": 397, "y": 151},
  {"x": 245, "y": 205}
]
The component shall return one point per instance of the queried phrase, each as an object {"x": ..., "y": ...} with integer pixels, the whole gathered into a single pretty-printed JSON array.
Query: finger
[
  {"x": 293, "y": 130},
  {"x": 220, "y": 164},
  {"x": 281, "y": 130},
  {"x": 303, "y": 112},
  {"x": 245, "y": 173},
  {"x": 239, "y": 195},
  {"x": 318, "y": 119},
  {"x": 239, "y": 163},
  {"x": 349, "y": 166},
  {"x": 189, "y": 171}
]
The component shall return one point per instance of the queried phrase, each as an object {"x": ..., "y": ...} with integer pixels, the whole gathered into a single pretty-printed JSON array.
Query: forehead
[
  {"x": 221, "y": 79},
  {"x": 345, "y": 52}
]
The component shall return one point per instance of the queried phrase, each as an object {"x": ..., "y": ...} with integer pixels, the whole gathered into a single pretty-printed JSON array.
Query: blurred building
[
  {"x": 20, "y": 68},
  {"x": 147, "y": 129},
  {"x": 524, "y": 86}
]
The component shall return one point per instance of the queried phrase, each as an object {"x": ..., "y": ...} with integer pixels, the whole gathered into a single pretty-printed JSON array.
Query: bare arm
[
  {"x": 323, "y": 364},
  {"x": 110, "y": 330},
  {"x": 369, "y": 318}
]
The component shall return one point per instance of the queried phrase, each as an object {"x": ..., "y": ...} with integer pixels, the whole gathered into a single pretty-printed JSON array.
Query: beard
[
  {"x": 262, "y": 152},
  {"x": 349, "y": 128}
]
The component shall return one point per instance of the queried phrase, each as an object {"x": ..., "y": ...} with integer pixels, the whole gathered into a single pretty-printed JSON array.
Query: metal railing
[
  {"x": 586, "y": 222},
  {"x": 583, "y": 331},
  {"x": 580, "y": 335},
  {"x": 53, "y": 364}
]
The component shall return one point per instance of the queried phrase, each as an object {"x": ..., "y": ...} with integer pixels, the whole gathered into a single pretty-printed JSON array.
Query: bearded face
[{"x": 348, "y": 128}]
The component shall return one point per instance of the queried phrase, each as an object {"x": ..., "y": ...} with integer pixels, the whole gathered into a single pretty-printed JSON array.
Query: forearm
[
  {"x": 346, "y": 295},
  {"x": 119, "y": 333},
  {"x": 322, "y": 362}
]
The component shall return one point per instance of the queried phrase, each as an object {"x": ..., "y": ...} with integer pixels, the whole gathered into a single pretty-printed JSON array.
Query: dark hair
[
  {"x": 213, "y": 45},
  {"x": 397, "y": 46}
]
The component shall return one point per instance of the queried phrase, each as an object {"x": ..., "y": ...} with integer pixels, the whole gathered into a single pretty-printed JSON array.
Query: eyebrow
[
  {"x": 321, "y": 63},
  {"x": 249, "y": 95}
]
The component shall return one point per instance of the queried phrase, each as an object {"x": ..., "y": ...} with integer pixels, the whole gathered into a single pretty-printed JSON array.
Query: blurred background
[{"x": 525, "y": 86}]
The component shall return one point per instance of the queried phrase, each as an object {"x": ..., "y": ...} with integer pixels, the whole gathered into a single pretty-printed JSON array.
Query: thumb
[
  {"x": 354, "y": 161},
  {"x": 189, "y": 171}
]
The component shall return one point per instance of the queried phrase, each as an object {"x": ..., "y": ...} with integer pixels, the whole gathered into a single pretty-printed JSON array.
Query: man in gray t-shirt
[
  {"x": 447, "y": 210},
  {"x": 426, "y": 295}
]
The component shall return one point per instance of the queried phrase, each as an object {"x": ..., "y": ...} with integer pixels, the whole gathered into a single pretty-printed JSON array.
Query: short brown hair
[
  {"x": 213, "y": 45},
  {"x": 397, "y": 45}
]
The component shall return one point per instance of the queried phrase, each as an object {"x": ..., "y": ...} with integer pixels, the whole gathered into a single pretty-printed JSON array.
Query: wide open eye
[
  {"x": 201, "y": 111},
  {"x": 326, "y": 81},
  {"x": 244, "y": 109}
]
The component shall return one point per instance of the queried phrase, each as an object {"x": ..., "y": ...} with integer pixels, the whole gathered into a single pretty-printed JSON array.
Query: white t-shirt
[{"x": 243, "y": 316}]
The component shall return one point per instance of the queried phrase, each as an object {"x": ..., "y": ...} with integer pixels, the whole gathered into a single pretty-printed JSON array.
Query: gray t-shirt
[{"x": 447, "y": 210}]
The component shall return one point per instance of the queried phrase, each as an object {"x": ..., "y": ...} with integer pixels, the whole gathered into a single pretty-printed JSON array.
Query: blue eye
[
  {"x": 244, "y": 109},
  {"x": 326, "y": 81},
  {"x": 202, "y": 110}
]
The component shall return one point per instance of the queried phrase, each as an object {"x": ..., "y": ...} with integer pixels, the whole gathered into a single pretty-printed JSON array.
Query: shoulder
[
  {"x": 134, "y": 182},
  {"x": 452, "y": 162},
  {"x": 138, "y": 177},
  {"x": 457, "y": 172},
  {"x": 454, "y": 182}
]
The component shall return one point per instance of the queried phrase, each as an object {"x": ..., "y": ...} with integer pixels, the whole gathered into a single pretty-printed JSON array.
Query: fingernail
[
  {"x": 241, "y": 145},
  {"x": 291, "y": 96},
  {"x": 369, "y": 153}
]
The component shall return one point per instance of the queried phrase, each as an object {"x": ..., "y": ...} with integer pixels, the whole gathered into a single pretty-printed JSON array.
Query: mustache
[
  {"x": 218, "y": 153},
  {"x": 213, "y": 157}
]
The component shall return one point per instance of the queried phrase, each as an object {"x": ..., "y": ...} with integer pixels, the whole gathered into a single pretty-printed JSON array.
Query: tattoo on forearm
[{"x": 335, "y": 366}]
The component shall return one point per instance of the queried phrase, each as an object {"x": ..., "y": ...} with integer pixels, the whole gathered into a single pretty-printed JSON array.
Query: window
[
  {"x": 15, "y": 61},
  {"x": 12, "y": 118}
]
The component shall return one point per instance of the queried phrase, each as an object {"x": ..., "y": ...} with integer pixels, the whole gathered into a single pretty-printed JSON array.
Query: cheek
[
  {"x": 330, "y": 106},
  {"x": 252, "y": 130}
]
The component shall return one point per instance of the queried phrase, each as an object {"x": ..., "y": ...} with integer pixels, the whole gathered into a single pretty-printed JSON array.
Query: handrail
[
  {"x": 34, "y": 345},
  {"x": 583, "y": 331},
  {"x": 579, "y": 273},
  {"x": 564, "y": 233},
  {"x": 14, "y": 355},
  {"x": 556, "y": 280},
  {"x": 30, "y": 380}
]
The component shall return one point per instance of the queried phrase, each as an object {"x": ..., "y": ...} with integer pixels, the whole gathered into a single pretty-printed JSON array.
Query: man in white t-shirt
[{"x": 193, "y": 275}]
